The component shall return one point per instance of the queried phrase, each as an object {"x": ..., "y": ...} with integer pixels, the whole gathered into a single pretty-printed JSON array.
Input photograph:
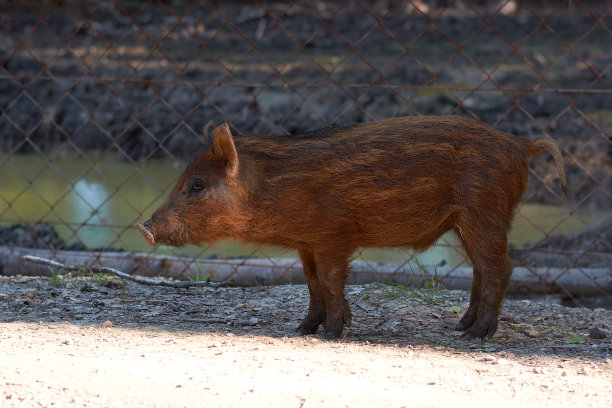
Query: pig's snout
[{"x": 145, "y": 230}]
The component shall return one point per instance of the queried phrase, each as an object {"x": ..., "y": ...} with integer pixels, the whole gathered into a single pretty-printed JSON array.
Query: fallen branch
[
  {"x": 123, "y": 275},
  {"x": 570, "y": 281}
]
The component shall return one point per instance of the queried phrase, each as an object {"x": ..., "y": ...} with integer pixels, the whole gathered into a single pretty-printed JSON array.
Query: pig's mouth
[
  {"x": 177, "y": 237},
  {"x": 145, "y": 230}
]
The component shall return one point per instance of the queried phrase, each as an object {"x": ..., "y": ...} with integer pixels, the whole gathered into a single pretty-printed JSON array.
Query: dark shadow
[{"x": 385, "y": 315}]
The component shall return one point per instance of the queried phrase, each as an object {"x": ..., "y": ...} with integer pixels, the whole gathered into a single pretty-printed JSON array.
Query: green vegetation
[
  {"x": 124, "y": 291},
  {"x": 452, "y": 309},
  {"x": 575, "y": 340},
  {"x": 396, "y": 290},
  {"x": 99, "y": 278},
  {"x": 85, "y": 275},
  {"x": 424, "y": 285},
  {"x": 430, "y": 281},
  {"x": 198, "y": 275},
  {"x": 57, "y": 278}
]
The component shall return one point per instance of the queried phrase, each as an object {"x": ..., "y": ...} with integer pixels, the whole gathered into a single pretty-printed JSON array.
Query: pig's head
[{"x": 206, "y": 203}]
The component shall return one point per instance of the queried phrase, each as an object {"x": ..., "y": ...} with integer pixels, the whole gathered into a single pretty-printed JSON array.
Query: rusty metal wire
[{"x": 97, "y": 99}]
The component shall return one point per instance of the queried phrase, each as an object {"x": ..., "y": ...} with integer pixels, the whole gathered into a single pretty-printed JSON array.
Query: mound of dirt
[
  {"x": 36, "y": 235},
  {"x": 590, "y": 248}
]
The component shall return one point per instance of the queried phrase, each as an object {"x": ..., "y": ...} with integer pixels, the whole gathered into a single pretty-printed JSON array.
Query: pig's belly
[{"x": 416, "y": 224}]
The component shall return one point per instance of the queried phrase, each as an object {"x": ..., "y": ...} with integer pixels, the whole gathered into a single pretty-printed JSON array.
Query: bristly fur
[{"x": 396, "y": 183}]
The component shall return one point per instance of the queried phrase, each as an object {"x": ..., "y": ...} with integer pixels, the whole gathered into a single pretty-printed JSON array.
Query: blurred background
[{"x": 102, "y": 103}]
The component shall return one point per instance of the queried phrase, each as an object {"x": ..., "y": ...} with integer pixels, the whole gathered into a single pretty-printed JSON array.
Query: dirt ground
[{"x": 101, "y": 342}]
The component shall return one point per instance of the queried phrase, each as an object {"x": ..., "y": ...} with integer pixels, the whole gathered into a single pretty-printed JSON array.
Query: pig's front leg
[
  {"x": 332, "y": 271},
  {"x": 316, "y": 309}
]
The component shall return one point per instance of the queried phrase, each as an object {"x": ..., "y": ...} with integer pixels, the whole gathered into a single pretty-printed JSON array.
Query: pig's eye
[{"x": 196, "y": 186}]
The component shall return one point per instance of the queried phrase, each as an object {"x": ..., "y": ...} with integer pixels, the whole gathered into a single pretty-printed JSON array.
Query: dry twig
[{"x": 123, "y": 275}]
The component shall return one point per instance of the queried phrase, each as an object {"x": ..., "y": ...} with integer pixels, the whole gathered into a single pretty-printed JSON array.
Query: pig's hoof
[
  {"x": 468, "y": 319},
  {"x": 311, "y": 323},
  {"x": 481, "y": 330},
  {"x": 333, "y": 334},
  {"x": 461, "y": 326},
  {"x": 305, "y": 329},
  {"x": 334, "y": 328}
]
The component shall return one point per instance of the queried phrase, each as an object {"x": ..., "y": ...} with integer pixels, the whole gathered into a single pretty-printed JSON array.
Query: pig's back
[{"x": 397, "y": 150}]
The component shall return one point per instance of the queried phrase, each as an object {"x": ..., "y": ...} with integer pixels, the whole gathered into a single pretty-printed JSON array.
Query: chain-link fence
[{"x": 103, "y": 102}]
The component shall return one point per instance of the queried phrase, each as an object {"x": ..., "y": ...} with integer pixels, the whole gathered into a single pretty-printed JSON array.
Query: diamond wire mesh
[{"x": 102, "y": 102}]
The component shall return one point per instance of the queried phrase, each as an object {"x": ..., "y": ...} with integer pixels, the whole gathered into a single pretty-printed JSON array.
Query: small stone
[
  {"x": 108, "y": 323},
  {"x": 597, "y": 334},
  {"x": 32, "y": 294},
  {"x": 502, "y": 361},
  {"x": 253, "y": 320},
  {"x": 564, "y": 374}
]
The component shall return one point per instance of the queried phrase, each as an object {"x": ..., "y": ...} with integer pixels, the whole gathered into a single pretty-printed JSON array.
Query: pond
[{"x": 99, "y": 203}]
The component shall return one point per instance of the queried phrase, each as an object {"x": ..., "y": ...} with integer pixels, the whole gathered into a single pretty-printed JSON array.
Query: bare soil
[{"x": 101, "y": 342}]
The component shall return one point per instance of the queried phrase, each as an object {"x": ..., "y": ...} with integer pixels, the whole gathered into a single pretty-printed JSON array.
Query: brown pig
[{"x": 400, "y": 182}]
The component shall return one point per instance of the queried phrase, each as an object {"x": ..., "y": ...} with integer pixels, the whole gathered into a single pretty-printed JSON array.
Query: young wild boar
[{"x": 400, "y": 182}]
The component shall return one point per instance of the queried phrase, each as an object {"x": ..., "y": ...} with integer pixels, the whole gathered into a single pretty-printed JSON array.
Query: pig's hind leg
[
  {"x": 316, "y": 309},
  {"x": 471, "y": 314},
  {"x": 487, "y": 247},
  {"x": 332, "y": 271}
]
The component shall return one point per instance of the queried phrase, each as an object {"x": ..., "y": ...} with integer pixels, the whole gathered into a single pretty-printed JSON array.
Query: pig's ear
[{"x": 225, "y": 149}]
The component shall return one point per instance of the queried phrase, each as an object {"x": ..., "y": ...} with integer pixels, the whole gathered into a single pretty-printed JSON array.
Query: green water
[{"x": 100, "y": 202}]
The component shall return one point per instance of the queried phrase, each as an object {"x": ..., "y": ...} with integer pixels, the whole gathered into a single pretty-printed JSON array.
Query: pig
[{"x": 400, "y": 182}]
